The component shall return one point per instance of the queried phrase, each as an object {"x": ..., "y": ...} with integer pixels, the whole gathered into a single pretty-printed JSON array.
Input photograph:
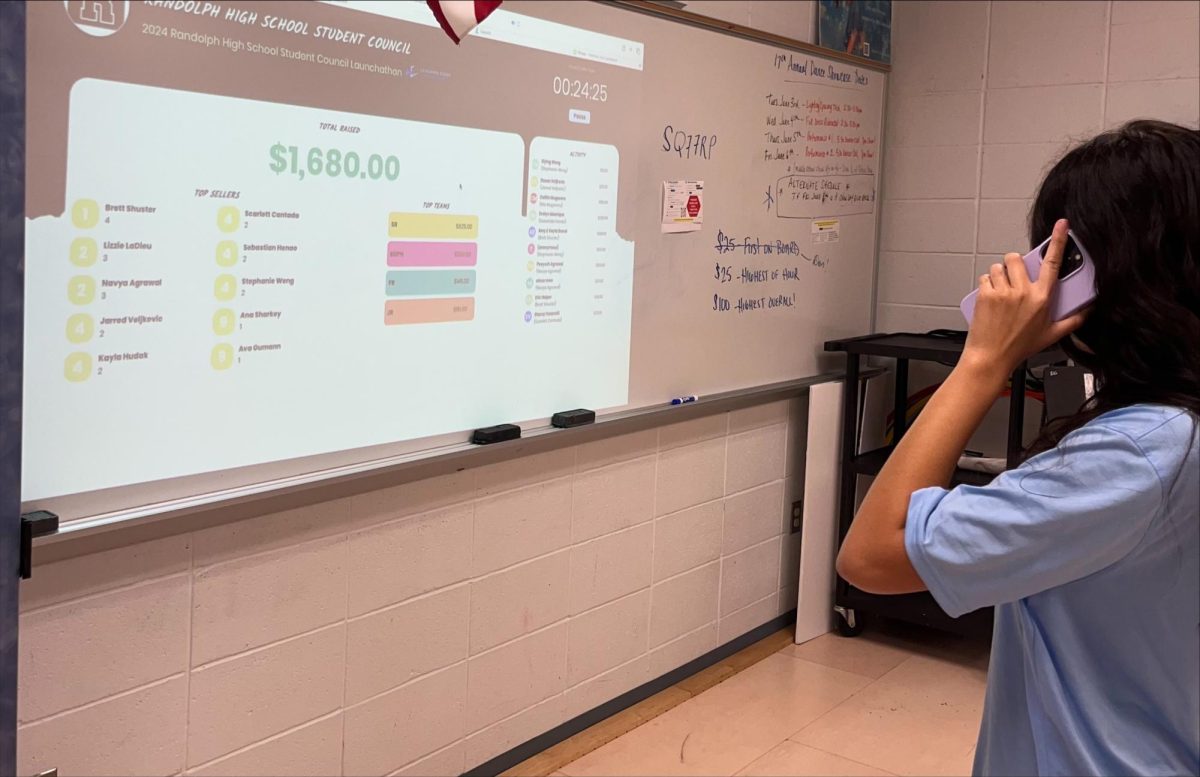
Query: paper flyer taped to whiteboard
[
  {"x": 826, "y": 230},
  {"x": 682, "y": 206}
]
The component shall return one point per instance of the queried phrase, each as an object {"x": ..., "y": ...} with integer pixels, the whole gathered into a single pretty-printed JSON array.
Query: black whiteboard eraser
[
  {"x": 569, "y": 418},
  {"x": 491, "y": 434}
]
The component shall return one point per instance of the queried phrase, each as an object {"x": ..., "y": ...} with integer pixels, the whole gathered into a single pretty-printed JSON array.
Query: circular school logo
[{"x": 98, "y": 17}]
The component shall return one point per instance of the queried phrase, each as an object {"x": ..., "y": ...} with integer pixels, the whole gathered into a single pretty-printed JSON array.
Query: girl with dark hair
[{"x": 1090, "y": 550}]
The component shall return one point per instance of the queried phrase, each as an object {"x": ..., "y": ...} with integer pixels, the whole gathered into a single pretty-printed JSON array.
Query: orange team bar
[{"x": 428, "y": 311}]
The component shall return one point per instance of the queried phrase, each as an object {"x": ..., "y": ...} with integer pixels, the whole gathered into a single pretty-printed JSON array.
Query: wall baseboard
[{"x": 527, "y": 750}]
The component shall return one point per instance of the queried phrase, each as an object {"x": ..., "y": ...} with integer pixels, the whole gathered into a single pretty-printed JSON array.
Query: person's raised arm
[{"x": 1011, "y": 322}]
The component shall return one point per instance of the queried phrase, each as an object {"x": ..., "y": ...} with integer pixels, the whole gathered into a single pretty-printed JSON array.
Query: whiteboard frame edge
[
  {"x": 120, "y": 528},
  {"x": 742, "y": 31},
  {"x": 880, "y": 188}
]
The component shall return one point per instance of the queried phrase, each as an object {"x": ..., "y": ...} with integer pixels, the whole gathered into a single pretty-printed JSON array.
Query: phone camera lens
[{"x": 1072, "y": 259}]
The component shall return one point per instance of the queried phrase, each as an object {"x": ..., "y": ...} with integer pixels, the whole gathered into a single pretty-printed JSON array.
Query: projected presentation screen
[{"x": 264, "y": 231}]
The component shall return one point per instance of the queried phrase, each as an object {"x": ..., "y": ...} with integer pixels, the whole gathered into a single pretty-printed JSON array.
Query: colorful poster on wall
[{"x": 860, "y": 27}]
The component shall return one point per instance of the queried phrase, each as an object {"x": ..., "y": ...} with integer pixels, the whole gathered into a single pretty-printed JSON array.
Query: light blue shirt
[{"x": 1091, "y": 554}]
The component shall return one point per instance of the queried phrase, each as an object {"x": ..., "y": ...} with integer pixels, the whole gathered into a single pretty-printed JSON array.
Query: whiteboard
[
  {"x": 785, "y": 143},
  {"x": 761, "y": 194}
]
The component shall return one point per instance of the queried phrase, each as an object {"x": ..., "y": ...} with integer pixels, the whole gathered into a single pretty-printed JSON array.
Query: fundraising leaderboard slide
[{"x": 258, "y": 232}]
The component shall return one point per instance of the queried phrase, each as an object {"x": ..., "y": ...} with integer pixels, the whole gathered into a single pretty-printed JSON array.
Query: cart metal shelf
[{"x": 850, "y": 603}]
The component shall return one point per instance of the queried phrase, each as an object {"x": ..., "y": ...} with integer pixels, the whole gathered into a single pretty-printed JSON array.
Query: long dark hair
[{"x": 1132, "y": 196}]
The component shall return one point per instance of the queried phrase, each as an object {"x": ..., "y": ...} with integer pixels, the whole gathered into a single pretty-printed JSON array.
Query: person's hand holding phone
[{"x": 1012, "y": 313}]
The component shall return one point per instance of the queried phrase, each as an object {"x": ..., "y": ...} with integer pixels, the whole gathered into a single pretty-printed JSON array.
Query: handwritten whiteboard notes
[
  {"x": 813, "y": 196},
  {"x": 762, "y": 288},
  {"x": 813, "y": 136},
  {"x": 824, "y": 156},
  {"x": 818, "y": 70},
  {"x": 685, "y": 145}
]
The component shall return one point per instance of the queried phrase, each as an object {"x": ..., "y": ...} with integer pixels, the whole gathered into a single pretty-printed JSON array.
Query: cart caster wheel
[{"x": 849, "y": 623}]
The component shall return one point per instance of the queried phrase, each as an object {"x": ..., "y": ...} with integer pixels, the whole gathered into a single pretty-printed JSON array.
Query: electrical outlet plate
[{"x": 797, "y": 515}]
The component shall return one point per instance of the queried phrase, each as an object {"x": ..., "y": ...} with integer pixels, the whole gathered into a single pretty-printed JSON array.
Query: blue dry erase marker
[{"x": 684, "y": 400}]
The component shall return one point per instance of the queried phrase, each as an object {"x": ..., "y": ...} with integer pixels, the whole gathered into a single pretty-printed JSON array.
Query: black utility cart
[{"x": 850, "y": 603}]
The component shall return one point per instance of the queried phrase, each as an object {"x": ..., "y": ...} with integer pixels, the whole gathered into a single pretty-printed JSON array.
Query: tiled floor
[{"x": 897, "y": 700}]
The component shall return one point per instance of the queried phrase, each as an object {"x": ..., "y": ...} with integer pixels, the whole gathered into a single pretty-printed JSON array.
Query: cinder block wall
[
  {"x": 982, "y": 98},
  {"x": 418, "y": 630}
]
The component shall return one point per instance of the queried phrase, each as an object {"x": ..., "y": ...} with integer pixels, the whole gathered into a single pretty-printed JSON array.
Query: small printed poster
[
  {"x": 682, "y": 206},
  {"x": 825, "y": 230},
  {"x": 859, "y": 27}
]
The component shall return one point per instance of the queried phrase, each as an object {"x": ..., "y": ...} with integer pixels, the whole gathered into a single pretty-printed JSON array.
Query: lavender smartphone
[{"x": 1076, "y": 279}]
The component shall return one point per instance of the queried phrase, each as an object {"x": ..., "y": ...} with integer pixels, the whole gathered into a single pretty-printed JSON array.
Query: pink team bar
[{"x": 405, "y": 253}]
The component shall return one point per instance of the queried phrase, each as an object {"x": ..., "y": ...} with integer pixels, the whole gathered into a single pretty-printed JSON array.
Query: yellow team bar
[{"x": 433, "y": 225}]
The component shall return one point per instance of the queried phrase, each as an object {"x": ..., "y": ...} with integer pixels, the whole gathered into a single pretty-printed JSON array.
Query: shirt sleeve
[{"x": 1059, "y": 517}]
